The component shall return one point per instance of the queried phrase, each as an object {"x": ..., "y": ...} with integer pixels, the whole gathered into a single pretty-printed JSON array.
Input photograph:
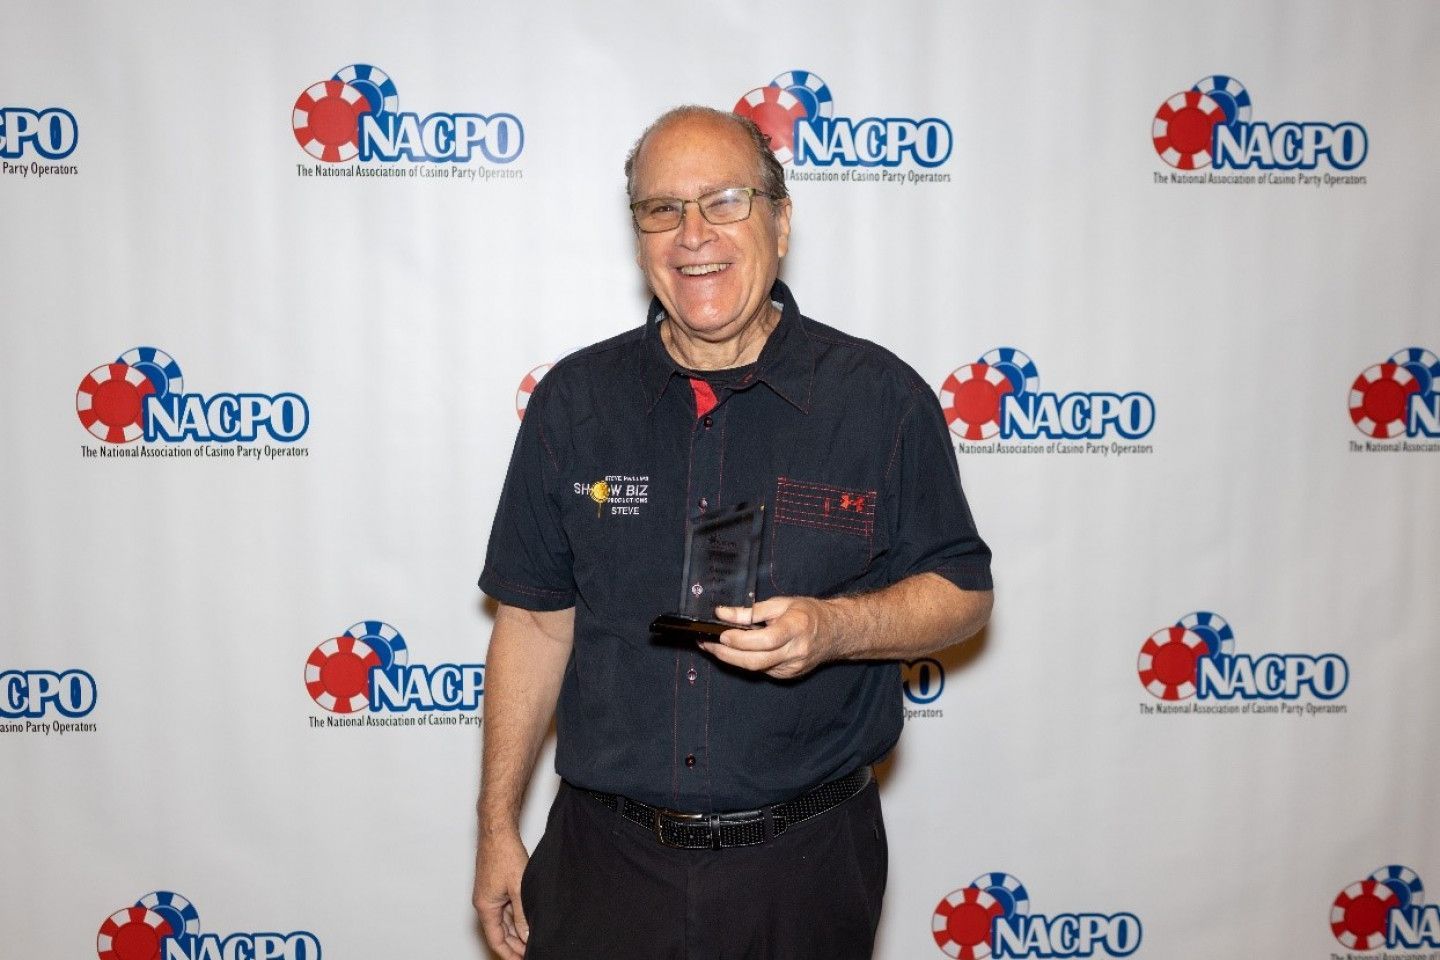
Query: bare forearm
[
  {"x": 918, "y": 615},
  {"x": 523, "y": 672}
]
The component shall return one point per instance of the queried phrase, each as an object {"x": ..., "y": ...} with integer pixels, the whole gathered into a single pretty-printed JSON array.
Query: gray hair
[{"x": 772, "y": 175}]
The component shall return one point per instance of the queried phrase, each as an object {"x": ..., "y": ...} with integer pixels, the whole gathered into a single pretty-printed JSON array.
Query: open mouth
[{"x": 701, "y": 269}]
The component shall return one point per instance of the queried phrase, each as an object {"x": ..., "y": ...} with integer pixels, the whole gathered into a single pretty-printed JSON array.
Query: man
[{"x": 717, "y": 798}]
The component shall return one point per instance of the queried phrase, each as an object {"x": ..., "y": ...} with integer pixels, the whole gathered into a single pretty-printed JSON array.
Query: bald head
[{"x": 769, "y": 175}]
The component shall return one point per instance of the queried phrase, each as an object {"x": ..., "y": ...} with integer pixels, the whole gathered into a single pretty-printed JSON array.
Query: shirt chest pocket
[{"x": 821, "y": 537}]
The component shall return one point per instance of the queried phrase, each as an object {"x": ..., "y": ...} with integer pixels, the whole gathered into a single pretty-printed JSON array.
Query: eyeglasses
[{"x": 719, "y": 207}]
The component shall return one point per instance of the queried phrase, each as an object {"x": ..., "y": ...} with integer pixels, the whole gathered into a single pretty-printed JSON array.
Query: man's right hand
[{"x": 499, "y": 863}]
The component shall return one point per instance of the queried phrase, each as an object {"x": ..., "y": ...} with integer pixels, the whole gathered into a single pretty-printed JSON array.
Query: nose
[{"x": 694, "y": 230}]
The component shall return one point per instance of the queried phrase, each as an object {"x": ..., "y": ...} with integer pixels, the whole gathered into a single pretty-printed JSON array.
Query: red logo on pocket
[{"x": 821, "y": 505}]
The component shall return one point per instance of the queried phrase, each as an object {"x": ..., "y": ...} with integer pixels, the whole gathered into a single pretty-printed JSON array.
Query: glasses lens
[
  {"x": 726, "y": 206},
  {"x": 661, "y": 213}
]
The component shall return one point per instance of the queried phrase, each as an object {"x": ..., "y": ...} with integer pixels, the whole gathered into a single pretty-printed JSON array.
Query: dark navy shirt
[{"x": 847, "y": 448}]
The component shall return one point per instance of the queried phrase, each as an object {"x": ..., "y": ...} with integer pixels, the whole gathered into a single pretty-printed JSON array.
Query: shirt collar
[{"x": 786, "y": 363}]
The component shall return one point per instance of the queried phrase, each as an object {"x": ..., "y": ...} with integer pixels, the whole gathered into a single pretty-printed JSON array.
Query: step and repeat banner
[{"x": 277, "y": 281}]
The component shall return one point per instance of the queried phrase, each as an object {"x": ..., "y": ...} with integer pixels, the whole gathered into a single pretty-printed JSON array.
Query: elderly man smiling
[{"x": 717, "y": 796}]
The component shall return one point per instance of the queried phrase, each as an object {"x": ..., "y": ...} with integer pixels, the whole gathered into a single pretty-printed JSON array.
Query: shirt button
[
  {"x": 704, "y": 503},
  {"x": 691, "y": 675},
  {"x": 708, "y": 422},
  {"x": 690, "y": 760}
]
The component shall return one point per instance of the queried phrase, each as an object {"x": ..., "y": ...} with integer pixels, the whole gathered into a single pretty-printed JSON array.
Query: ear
[{"x": 782, "y": 227}]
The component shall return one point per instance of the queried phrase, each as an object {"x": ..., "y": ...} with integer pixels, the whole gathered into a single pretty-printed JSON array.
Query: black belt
[{"x": 742, "y": 828}]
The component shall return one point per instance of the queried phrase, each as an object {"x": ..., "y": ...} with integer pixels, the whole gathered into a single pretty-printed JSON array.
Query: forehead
[{"x": 690, "y": 155}]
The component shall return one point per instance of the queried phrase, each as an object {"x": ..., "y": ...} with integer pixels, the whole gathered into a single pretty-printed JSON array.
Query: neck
[{"x": 694, "y": 353}]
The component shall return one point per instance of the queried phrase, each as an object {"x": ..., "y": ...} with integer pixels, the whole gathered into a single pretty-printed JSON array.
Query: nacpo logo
[
  {"x": 49, "y": 133},
  {"x": 1196, "y": 658},
  {"x": 163, "y": 925},
  {"x": 922, "y": 681},
  {"x": 142, "y": 395},
  {"x": 32, "y": 696},
  {"x": 796, "y": 111},
  {"x": 1399, "y": 397},
  {"x": 1386, "y": 909},
  {"x": 991, "y": 918},
  {"x": 356, "y": 115},
  {"x": 367, "y": 669},
  {"x": 999, "y": 395},
  {"x": 1209, "y": 124}
]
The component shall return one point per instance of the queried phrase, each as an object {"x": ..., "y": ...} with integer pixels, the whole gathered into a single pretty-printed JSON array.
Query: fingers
[
  {"x": 762, "y": 612},
  {"x": 758, "y": 661},
  {"x": 770, "y": 637},
  {"x": 499, "y": 869},
  {"x": 784, "y": 648},
  {"x": 522, "y": 927},
  {"x": 494, "y": 920}
]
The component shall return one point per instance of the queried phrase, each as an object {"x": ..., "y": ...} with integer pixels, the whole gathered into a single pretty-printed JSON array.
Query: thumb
[{"x": 740, "y": 615}]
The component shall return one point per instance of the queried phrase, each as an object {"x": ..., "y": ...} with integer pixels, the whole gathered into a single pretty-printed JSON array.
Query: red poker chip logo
[
  {"x": 1184, "y": 127},
  {"x": 1361, "y": 914},
  {"x": 110, "y": 402},
  {"x": 326, "y": 120},
  {"x": 1169, "y": 661},
  {"x": 962, "y": 921},
  {"x": 134, "y": 933},
  {"x": 527, "y": 387},
  {"x": 1380, "y": 399},
  {"x": 337, "y": 674},
  {"x": 971, "y": 398},
  {"x": 774, "y": 111}
]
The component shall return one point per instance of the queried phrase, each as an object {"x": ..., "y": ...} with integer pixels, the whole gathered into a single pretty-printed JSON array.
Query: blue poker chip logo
[
  {"x": 1212, "y": 628},
  {"x": 159, "y": 368},
  {"x": 179, "y": 913},
  {"x": 1230, "y": 94},
  {"x": 374, "y": 84},
  {"x": 1007, "y": 890},
  {"x": 1017, "y": 367},
  {"x": 812, "y": 92},
  {"x": 384, "y": 639}
]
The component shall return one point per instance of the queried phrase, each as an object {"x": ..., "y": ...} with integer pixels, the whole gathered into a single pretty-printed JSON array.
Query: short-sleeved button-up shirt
[{"x": 848, "y": 450}]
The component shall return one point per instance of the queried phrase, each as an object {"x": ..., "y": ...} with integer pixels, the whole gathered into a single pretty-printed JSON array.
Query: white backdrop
[{"x": 407, "y": 310}]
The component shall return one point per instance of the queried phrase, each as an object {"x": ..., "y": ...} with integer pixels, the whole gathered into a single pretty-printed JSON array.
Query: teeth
[{"x": 700, "y": 269}]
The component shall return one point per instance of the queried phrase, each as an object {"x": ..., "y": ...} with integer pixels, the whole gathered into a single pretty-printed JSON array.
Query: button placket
[{"x": 707, "y": 457}]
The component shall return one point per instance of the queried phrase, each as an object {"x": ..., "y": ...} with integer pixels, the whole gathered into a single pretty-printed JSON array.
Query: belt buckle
[{"x": 661, "y": 813}]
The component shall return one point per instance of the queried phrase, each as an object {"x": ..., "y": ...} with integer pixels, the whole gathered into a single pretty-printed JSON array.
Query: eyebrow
[{"x": 704, "y": 189}]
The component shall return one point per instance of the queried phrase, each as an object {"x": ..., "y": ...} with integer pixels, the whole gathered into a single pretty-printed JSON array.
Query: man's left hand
[{"x": 792, "y": 642}]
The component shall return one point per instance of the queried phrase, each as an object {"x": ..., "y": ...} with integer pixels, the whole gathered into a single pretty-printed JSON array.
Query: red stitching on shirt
[
  {"x": 675, "y": 736},
  {"x": 720, "y": 493},
  {"x": 774, "y": 558},
  {"x": 859, "y": 531},
  {"x": 826, "y": 507},
  {"x": 554, "y": 461},
  {"x": 899, "y": 432},
  {"x": 709, "y": 788}
]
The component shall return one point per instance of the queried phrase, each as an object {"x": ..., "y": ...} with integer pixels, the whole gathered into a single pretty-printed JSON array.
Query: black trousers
[{"x": 598, "y": 886}]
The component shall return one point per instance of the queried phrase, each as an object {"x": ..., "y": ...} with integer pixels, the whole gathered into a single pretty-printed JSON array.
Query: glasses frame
[{"x": 750, "y": 192}]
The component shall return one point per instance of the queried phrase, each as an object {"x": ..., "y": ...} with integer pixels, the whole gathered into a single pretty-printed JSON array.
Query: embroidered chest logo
[
  {"x": 822, "y": 505},
  {"x": 619, "y": 495}
]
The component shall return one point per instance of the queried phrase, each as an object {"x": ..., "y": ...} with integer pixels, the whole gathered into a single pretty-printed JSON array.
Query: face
[{"x": 713, "y": 280}]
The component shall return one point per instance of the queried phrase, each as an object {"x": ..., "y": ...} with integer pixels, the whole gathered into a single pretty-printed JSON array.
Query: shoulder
[
  {"x": 847, "y": 362},
  {"x": 578, "y": 376}
]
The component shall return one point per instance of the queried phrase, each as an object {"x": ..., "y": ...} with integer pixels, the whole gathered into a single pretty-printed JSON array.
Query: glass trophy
[{"x": 722, "y": 561}]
